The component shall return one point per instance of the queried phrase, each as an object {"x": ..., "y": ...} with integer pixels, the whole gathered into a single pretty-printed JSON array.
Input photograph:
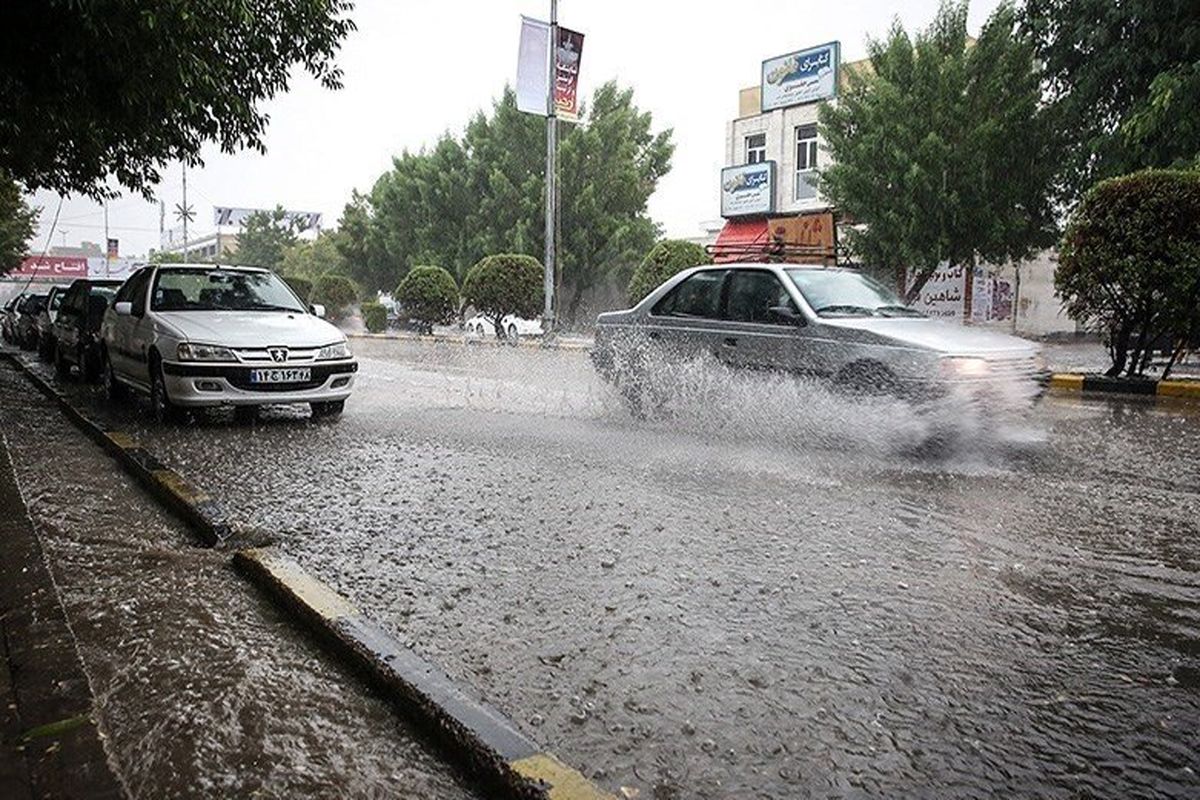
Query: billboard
[
  {"x": 58, "y": 268},
  {"x": 566, "y": 74},
  {"x": 942, "y": 295},
  {"x": 302, "y": 220},
  {"x": 748, "y": 190},
  {"x": 806, "y": 76}
]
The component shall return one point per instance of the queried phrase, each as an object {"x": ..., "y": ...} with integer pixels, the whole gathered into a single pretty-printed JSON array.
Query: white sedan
[
  {"x": 511, "y": 326},
  {"x": 195, "y": 335}
]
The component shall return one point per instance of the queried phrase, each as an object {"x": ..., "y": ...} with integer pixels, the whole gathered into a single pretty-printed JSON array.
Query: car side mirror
[
  {"x": 787, "y": 314},
  {"x": 318, "y": 310},
  {"x": 123, "y": 308}
]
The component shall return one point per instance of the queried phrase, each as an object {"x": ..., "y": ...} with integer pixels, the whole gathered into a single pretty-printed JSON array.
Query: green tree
[
  {"x": 16, "y": 224},
  {"x": 664, "y": 260},
  {"x": 312, "y": 258},
  {"x": 1124, "y": 82},
  {"x": 1130, "y": 264},
  {"x": 177, "y": 257},
  {"x": 374, "y": 316},
  {"x": 941, "y": 150},
  {"x": 428, "y": 295},
  {"x": 336, "y": 292},
  {"x": 503, "y": 284},
  {"x": 481, "y": 193},
  {"x": 101, "y": 89},
  {"x": 264, "y": 238},
  {"x": 303, "y": 287}
]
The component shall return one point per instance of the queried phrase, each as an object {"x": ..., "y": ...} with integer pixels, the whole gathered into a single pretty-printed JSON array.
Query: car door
[
  {"x": 686, "y": 323},
  {"x": 66, "y": 324},
  {"x": 120, "y": 337},
  {"x": 762, "y": 321}
]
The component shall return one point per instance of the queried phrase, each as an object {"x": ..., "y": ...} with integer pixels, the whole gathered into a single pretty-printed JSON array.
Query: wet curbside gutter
[
  {"x": 1099, "y": 384},
  {"x": 463, "y": 341},
  {"x": 479, "y": 736},
  {"x": 201, "y": 512}
]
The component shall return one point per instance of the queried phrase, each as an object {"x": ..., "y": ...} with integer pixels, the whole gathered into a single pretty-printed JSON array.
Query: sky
[{"x": 416, "y": 69}]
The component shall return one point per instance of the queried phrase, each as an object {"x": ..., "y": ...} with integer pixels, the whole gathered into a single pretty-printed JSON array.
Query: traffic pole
[{"x": 551, "y": 177}]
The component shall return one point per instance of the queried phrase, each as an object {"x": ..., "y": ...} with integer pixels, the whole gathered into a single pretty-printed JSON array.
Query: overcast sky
[{"x": 416, "y": 69}]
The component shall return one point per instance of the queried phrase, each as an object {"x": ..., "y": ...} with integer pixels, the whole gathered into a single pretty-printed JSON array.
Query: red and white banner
[
  {"x": 533, "y": 70},
  {"x": 567, "y": 54},
  {"x": 51, "y": 268}
]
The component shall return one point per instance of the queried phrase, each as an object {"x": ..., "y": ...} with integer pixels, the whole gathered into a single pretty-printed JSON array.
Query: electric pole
[{"x": 551, "y": 188}]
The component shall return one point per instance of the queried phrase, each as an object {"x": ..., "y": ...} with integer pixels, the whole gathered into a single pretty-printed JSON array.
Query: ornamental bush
[
  {"x": 374, "y": 316},
  {"x": 336, "y": 292},
  {"x": 1130, "y": 266},
  {"x": 301, "y": 286},
  {"x": 428, "y": 296},
  {"x": 502, "y": 284},
  {"x": 664, "y": 260}
]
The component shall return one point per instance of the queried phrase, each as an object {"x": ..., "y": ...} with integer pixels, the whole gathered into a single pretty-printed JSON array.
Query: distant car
[
  {"x": 8, "y": 318},
  {"x": 45, "y": 322},
  {"x": 511, "y": 327},
  {"x": 196, "y": 335},
  {"x": 77, "y": 326},
  {"x": 828, "y": 322},
  {"x": 25, "y": 332}
]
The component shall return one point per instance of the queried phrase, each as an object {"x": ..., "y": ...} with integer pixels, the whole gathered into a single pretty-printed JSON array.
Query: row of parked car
[{"x": 189, "y": 336}]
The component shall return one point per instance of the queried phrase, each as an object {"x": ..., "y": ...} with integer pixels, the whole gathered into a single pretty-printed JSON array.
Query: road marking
[
  {"x": 1071, "y": 382},
  {"x": 565, "y": 783},
  {"x": 1190, "y": 389}
]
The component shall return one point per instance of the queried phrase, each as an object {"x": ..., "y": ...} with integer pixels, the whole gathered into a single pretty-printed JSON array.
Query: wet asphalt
[{"x": 763, "y": 592}]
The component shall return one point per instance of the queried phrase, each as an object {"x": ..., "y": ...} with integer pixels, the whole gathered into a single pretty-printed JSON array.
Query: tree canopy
[
  {"x": 503, "y": 284},
  {"x": 1124, "y": 82},
  {"x": 482, "y": 193},
  {"x": 428, "y": 295},
  {"x": 312, "y": 258},
  {"x": 265, "y": 237},
  {"x": 116, "y": 88},
  {"x": 941, "y": 149},
  {"x": 16, "y": 224},
  {"x": 664, "y": 260}
]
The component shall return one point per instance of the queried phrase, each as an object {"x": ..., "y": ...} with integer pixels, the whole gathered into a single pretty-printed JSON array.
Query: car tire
[
  {"x": 327, "y": 408},
  {"x": 61, "y": 368},
  {"x": 161, "y": 407},
  {"x": 113, "y": 389},
  {"x": 89, "y": 370}
]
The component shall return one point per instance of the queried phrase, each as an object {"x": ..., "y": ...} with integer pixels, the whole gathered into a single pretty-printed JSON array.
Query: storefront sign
[
  {"x": 51, "y": 268},
  {"x": 806, "y": 230},
  {"x": 797, "y": 78},
  {"x": 748, "y": 190},
  {"x": 942, "y": 295}
]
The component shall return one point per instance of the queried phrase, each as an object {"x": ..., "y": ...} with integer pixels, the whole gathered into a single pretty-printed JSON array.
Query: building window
[
  {"x": 756, "y": 148},
  {"x": 806, "y": 162}
]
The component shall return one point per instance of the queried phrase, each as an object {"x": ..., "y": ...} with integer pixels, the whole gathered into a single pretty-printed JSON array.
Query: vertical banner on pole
[
  {"x": 533, "y": 58},
  {"x": 568, "y": 51}
]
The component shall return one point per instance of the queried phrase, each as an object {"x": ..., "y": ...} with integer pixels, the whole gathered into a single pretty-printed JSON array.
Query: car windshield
[
  {"x": 222, "y": 290},
  {"x": 844, "y": 293}
]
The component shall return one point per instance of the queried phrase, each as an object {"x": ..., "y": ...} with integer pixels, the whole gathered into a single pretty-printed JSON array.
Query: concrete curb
[
  {"x": 201, "y": 512},
  {"x": 464, "y": 341},
  {"x": 1099, "y": 384},
  {"x": 490, "y": 745}
]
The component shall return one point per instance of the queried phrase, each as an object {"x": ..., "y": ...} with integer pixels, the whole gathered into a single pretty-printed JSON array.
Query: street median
[{"x": 1187, "y": 389}]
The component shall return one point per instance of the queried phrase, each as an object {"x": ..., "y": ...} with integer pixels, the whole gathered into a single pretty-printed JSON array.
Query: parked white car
[
  {"x": 513, "y": 327},
  {"x": 195, "y": 335}
]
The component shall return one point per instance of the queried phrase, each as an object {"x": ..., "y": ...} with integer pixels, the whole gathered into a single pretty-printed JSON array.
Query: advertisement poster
[
  {"x": 748, "y": 190},
  {"x": 533, "y": 61},
  {"x": 300, "y": 220},
  {"x": 567, "y": 55},
  {"x": 942, "y": 295},
  {"x": 57, "y": 268},
  {"x": 803, "y": 77}
]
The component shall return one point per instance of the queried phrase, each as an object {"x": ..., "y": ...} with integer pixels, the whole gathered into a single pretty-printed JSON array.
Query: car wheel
[
  {"x": 89, "y": 370},
  {"x": 328, "y": 408},
  {"x": 160, "y": 402},
  {"x": 114, "y": 389},
  {"x": 61, "y": 368}
]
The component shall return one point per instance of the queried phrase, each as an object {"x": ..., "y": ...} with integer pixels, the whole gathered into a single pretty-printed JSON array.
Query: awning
[{"x": 739, "y": 238}]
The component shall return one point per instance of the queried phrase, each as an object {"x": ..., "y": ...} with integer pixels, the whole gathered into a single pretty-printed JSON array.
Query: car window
[
  {"x": 56, "y": 298},
  {"x": 222, "y": 290},
  {"x": 697, "y": 296},
  {"x": 133, "y": 286},
  {"x": 70, "y": 301},
  {"x": 752, "y": 294},
  {"x": 842, "y": 293}
]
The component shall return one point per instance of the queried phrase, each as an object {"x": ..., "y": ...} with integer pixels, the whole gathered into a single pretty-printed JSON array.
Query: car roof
[{"x": 185, "y": 265}]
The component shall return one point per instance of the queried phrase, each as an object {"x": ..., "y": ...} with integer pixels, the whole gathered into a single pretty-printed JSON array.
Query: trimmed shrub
[
  {"x": 429, "y": 296},
  {"x": 301, "y": 286},
  {"x": 374, "y": 316},
  {"x": 336, "y": 292},
  {"x": 664, "y": 260},
  {"x": 506, "y": 283},
  {"x": 1130, "y": 265}
]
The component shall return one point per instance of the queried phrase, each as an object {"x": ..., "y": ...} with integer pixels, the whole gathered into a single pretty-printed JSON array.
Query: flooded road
[{"x": 758, "y": 594}]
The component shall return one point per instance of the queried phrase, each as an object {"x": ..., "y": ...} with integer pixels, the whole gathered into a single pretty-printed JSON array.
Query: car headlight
[
  {"x": 188, "y": 351},
  {"x": 964, "y": 367},
  {"x": 332, "y": 351}
]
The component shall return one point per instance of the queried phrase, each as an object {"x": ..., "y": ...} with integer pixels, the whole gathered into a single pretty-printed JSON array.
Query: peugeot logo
[{"x": 278, "y": 354}]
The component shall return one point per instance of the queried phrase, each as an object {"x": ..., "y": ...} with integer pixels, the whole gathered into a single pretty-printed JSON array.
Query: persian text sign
[
  {"x": 300, "y": 220},
  {"x": 806, "y": 230},
  {"x": 51, "y": 267},
  {"x": 567, "y": 53},
  {"x": 802, "y": 77},
  {"x": 748, "y": 190},
  {"x": 942, "y": 295}
]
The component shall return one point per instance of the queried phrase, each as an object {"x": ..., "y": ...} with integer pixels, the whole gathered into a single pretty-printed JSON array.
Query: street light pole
[
  {"x": 185, "y": 215},
  {"x": 551, "y": 188}
]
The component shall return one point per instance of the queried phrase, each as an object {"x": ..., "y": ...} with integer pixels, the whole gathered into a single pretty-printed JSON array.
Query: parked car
[
  {"x": 45, "y": 322},
  {"x": 196, "y": 335},
  {"x": 513, "y": 327},
  {"x": 77, "y": 326},
  {"x": 25, "y": 331},
  {"x": 836, "y": 323},
  {"x": 8, "y": 318}
]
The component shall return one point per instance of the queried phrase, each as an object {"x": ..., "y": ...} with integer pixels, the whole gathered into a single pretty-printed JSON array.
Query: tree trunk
[{"x": 1118, "y": 350}]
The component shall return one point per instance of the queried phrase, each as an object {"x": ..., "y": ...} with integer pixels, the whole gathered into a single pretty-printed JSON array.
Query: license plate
[{"x": 294, "y": 375}]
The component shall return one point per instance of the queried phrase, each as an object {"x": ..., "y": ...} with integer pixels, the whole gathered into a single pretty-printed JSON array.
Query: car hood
[
  {"x": 930, "y": 334},
  {"x": 252, "y": 328}
]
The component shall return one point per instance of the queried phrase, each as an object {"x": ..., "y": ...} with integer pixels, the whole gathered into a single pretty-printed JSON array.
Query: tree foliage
[
  {"x": 16, "y": 224},
  {"x": 941, "y": 149},
  {"x": 503, "y": 284},
  {"x": 117, "y": 88},
  {"x": 264, "y": 237},
  {"x": 1130, "y": 264},
  {"x": 664, "y": 260},
  {"x": 428, "y": 295},
  {"x": 1124, "y": 81},
  {"x": 303, "y": 287},
  {"x": 374, "y": 316},
  {"x": 336, "y": 292},
  {"x": 482, "y": 193},
  {"x": 313, "y": 258}
]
